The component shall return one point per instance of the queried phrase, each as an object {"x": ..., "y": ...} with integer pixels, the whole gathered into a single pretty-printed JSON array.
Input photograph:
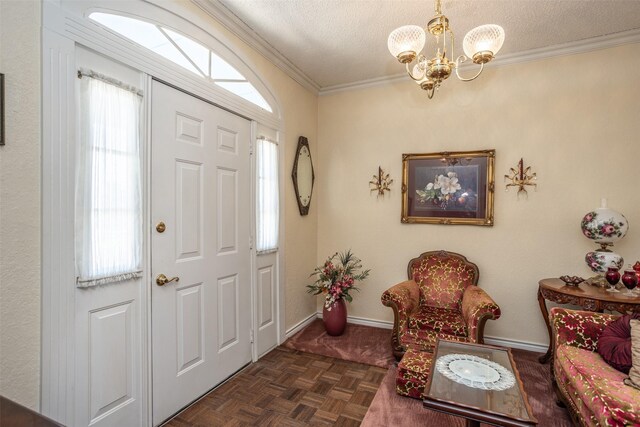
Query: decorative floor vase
[{"x": 335, "y": 320}]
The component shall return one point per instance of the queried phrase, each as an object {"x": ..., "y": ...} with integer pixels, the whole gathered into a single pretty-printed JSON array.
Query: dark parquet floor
[{"x": 289, "y": 388}]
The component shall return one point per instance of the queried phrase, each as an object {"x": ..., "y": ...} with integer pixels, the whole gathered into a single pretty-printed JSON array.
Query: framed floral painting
[{"x": 448, "y": 187}]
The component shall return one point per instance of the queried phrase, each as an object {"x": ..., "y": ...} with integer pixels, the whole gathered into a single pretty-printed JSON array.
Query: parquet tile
[{"x": 288, "y": 388}]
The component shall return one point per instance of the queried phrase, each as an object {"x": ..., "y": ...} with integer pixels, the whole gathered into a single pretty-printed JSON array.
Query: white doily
[{"x": 475, "y": 372}]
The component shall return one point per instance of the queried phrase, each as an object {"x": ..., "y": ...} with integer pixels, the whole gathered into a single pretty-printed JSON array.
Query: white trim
[
  {"x": 570, "y": 48},
  {"x": 145, "y": 300},
  {"x": 302, "y": 324},
  {"x": 502, "y": 342},
  {"x": 367, "y": 322},
  {"x": 57, "y": 374},
  {"x": 521, "y": 345},
  {"x": 240, "y": 29}
]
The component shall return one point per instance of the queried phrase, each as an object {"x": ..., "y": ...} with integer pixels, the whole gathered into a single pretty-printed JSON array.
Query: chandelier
[{"x": 406, "y": 43}]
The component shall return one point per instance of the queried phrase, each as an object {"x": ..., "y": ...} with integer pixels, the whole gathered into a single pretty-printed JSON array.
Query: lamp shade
[
  {"x": 409, "y": 38},
  {"x": 485, "y": 38}
]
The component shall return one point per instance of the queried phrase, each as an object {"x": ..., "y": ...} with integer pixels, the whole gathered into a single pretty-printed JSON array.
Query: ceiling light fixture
[{"x": 405, "y": 43}]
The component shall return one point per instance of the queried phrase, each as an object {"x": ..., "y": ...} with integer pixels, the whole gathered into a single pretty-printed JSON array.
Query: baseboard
[
  {"x": 520, "y": 345},
  {"x": 367, "y": 322},
  {"x": 502, "y": 342},
  {"x": 301, "y": 325}
]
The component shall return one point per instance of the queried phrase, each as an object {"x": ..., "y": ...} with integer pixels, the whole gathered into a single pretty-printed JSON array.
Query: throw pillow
[
  {"x": 634, "y": 372},
  {"x": 614, "y": 344}
]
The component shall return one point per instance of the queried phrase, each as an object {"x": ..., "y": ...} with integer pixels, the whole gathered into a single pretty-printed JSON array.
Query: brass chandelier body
[{"x": 405, "y": 43}]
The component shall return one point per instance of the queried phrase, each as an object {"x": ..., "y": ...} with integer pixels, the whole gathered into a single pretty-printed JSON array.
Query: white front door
[{"x": 201, "y": 191}]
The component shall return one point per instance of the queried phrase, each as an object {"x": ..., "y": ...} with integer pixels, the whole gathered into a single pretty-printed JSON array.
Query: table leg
[{"x": 545, "y": 315}]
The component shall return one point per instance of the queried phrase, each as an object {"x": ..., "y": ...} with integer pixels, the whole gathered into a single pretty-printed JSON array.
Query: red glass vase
[{"x": 335, "y": 320}]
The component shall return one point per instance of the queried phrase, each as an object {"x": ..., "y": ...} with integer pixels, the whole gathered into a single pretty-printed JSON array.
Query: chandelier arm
[
  {"x": 410, "y": 73},
  {"x": 459, "y": 61},
  {"x": 431, "y": 92}
]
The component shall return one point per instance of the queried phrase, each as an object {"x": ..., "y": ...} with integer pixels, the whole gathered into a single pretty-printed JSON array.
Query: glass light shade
[
  {"x": 604, "y": 225},
  {"x": 409, "y": 38},
  {"x": 419, "y": 73},
  {"x": 485, "y": 38}
]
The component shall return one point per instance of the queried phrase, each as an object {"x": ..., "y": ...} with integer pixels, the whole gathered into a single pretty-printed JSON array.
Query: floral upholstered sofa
[{"x": 592, "y": 390}]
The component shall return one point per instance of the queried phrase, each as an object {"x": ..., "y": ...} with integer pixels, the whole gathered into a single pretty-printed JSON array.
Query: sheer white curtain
[
  {"x": 108, "y": 217},
  {"x": 268, "y": 215}
]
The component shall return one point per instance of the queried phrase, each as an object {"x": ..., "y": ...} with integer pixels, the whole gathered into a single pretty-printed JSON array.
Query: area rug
[
  {"x": 362, "y": 344},
  {"x": 390, "y": 409}
]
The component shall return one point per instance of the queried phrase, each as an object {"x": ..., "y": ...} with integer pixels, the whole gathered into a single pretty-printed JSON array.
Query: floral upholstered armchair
[{"x": 440, "y": 299}]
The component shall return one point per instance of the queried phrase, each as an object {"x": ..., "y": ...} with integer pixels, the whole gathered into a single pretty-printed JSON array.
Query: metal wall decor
[
  {"x": 303, "y": 175},
  {"x": 380, "y": 182},
  {"x": 521, "y": 177},
  {"x": 448, "y": 188}
]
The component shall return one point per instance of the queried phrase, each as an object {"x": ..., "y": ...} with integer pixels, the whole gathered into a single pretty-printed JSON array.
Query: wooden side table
[{"x": 589, "y": 297}]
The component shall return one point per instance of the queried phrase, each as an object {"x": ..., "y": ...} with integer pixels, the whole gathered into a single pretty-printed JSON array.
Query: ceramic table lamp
[{"x": 605, "y": 226}]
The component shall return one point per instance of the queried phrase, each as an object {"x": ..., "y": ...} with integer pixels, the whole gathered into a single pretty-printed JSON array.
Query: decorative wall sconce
[
  {"x": 381, "y": 182},
  {"x": 521, "y": 178}
]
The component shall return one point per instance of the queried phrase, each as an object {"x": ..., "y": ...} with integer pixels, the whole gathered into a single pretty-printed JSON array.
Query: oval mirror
[{"x": 303, "y": 175}]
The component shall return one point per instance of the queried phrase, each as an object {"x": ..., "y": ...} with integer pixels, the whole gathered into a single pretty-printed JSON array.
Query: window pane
[
  {"x": 145, "y": 34},
  {"x": 151, "y": 37},
  {"x": 195, "y": 51},
  {"x": 268, "y": 205},
  {"x": 108, "y": 217},
  {"x": 246, "y": 91},
  {"x": 221, "y": 70}
]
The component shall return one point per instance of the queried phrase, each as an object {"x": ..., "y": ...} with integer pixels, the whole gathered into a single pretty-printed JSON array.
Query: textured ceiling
[{"x": 344, "y": 41}]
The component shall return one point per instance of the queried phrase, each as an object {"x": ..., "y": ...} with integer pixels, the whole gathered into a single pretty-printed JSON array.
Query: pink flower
[
  {"x": 587, "y": 233},
  {"x": 607, "y": 229},
  {"x": 588, "y": 217}
]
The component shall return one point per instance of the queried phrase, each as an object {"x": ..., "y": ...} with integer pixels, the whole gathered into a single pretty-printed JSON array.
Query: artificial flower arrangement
[{"x": 336, "y": 278}]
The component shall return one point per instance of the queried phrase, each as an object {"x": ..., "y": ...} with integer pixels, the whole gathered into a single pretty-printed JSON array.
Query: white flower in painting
[
  {"x": 429, "y": 186},
  {"x": 449, "y": 184}
]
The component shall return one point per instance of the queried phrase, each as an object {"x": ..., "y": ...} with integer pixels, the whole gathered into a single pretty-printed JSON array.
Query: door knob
[{"x": 161, "y": 280}]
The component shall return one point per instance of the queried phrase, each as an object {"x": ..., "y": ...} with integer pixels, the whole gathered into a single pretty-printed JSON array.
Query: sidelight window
[
  {"x": 108, "y": 214},
  {"x": 268, "y": 214}
]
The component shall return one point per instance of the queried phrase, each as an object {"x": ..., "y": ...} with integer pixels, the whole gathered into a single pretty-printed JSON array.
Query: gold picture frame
[{"x": 448, "y": 188}]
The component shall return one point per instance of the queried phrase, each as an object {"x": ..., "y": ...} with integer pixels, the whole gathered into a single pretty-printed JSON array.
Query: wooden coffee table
[{"x": 508, "y": 407}]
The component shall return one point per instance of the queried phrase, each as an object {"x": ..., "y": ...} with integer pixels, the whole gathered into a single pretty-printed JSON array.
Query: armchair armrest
[
  {"x": 404, "y": 299},
  {"x": 578, "y": 328},
  {"x": 477, "y": 308}
]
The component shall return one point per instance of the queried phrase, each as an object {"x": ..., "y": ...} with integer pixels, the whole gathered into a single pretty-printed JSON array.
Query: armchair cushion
[
  {"x": 442, "y": 278},
  {"x": 440, "y": 320}
]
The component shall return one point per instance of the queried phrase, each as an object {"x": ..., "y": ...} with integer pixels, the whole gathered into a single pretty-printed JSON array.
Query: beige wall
[
  {"x": 574, "y": 119},
  {"x": 20, "y": 203}
]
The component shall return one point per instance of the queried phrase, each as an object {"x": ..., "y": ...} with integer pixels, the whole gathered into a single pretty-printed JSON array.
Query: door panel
[{"x": 200, "y": 189}]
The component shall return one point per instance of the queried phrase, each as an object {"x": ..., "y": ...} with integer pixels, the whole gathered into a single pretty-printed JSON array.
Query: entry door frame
[{"x": 64, "y": 26}]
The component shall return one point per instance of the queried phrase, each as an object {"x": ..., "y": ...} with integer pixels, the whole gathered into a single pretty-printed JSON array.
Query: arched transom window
[{"x": 184, "y": 52}]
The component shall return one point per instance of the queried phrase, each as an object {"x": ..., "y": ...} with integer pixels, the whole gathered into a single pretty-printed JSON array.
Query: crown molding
[
  {"x": 570, "y": 48},
  {"x": 244, "y": 32}
]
